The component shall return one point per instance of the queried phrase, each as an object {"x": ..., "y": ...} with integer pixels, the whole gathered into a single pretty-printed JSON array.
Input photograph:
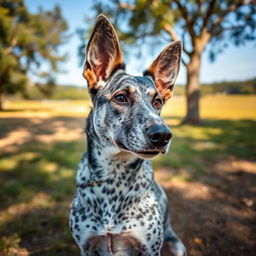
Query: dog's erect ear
[
  {"x": 165, "y": 68},
  {"x": 103, "y": 54}
]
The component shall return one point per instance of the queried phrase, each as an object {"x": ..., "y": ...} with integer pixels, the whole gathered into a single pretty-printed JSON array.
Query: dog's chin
[
  {"x": 147, "y": 154},
  {"x": 144, "y": 154}
]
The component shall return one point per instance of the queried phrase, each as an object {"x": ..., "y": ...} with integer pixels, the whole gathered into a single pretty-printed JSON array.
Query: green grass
[
  {"x": 195, "y": 148},
  {"x": 59, "y": 93},
  {"x": 37, "y": 185},
  {"x": 38, "y": 179}
]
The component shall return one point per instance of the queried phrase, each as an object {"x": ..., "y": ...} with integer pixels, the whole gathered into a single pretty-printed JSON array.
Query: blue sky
[{"x": 233, "y": 64}]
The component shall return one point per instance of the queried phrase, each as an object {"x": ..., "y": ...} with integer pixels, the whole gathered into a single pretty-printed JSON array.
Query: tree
[
  {"x": 197, "y": 23},
  {"x": 28, "y": 44}
]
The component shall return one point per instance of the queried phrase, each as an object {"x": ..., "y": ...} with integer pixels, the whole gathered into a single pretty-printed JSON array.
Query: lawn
[{"x": 209, "y": 175}]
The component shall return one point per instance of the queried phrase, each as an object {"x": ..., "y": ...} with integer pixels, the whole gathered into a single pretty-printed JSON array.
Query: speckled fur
[{"x": 125, "y": 212}]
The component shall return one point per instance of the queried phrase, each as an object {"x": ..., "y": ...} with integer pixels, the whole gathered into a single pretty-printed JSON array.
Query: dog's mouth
[
  {"x": 150, "y": 153},
  {"x": 146, "y": 154}
]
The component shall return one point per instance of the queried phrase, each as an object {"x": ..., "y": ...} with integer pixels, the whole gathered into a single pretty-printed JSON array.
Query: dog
[{"x": 118, "y": 208}]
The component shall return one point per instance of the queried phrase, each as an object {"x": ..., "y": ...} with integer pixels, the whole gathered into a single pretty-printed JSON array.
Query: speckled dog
[{"x": 118, "y": 208}]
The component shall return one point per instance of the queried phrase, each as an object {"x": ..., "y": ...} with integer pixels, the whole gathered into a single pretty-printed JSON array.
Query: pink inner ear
[
  {"x": 103, "y": 52},
  {"x": 99, "y": 59},
  {"x": 165, "y": 69},
  {"x": 168, "y": 68}
]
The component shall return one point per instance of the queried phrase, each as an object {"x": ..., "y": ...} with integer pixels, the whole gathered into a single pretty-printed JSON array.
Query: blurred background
[{"x": 210, "y": 171}]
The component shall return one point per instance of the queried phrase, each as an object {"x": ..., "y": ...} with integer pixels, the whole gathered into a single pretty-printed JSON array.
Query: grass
[
  {"x": 195, "y": 149},
  {"x": 212, "y": 106},
  {"x": 36, "y": 190},
  {"x": 58, "y": 93},
  {"x": 37, "y": 177}
]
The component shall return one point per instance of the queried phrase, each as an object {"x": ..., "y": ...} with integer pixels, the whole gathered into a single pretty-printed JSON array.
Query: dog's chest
[
  {"x": 115, "y": 207},
  {"x": 122, "y": 210},
  {"x": 119, "y": 219},
  {"x": 118, "y": 206}
]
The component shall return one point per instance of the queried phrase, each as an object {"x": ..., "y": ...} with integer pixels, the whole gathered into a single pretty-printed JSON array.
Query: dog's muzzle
[{"x": 158, "y": 135}]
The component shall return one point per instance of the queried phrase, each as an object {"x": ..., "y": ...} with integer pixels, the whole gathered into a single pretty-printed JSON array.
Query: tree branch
[
  {"x": 13, "y": 43},
  {"x": 185, "y": 49},
  {"x": 197, "y": 13},
  {"x": 183, "y": 62},
  {"x": 223, "y": 14},
  {"x": 187, "y": 19},
  {"x": 168, "y": 28},
  {"x": 238, "y": 27},
  {"x": 127, "y": 6},
  {"x": 208, "y": 14}
]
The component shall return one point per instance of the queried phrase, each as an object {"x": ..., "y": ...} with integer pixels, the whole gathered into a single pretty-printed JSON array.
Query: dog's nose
[{"x": 159, "y": 135}]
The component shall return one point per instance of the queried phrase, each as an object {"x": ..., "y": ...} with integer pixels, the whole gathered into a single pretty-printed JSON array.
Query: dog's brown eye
[
  {"x": 120, "y": 98},
  {"x": 157, "y": 104}
]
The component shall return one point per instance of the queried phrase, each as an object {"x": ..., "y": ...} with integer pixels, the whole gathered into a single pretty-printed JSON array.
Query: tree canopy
[
  {"x": 28, "y": 43},
  {"x": 197, "y": 23}
]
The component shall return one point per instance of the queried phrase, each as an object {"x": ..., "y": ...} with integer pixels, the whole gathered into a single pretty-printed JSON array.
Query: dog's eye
[
  {"x": 120, "y": 98},
  {"x": 157, "y": 103}
]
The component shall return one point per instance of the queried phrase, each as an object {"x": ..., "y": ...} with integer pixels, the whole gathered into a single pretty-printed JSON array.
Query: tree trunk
[
  {"x": 1, "y": 96},
  {"x": 1, "y": 102},
  {"x": 193, "y": 89}
]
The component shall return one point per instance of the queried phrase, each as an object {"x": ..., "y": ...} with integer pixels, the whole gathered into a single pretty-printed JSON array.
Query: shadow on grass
[
  {"x": 217, "y": 159},
  {"x": 37, "y": 185},
  {"x": 196, "y": 149},
  {"x": 38, "y": 231},
  {"x": 219, "y": 223},
  {"x": 39, "y": 126},
  {"x": 39, "y": 168}
]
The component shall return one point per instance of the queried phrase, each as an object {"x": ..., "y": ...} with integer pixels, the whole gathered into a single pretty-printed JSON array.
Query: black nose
[{"x": 159, "y": 135}]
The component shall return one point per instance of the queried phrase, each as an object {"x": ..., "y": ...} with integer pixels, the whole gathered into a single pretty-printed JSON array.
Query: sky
[{"x": 235, "y": 63}]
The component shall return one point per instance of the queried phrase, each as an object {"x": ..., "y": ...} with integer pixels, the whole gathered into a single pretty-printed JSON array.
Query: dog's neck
[{"x": 105, "y": 160}]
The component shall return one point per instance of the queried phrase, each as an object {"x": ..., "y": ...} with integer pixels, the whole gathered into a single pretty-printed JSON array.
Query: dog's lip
[
  {"x": 120, "y": 145},
  {"x": 153, "y": 152},
  {"x": 144, "y": 152}
]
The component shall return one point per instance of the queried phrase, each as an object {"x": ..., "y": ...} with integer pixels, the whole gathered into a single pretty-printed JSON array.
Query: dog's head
[{"x": 126, "y": 109}]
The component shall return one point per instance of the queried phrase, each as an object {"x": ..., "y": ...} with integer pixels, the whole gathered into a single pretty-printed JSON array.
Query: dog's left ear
[
  {"x": 103, "y": 54},
  {"x": 165, "y": 68}
]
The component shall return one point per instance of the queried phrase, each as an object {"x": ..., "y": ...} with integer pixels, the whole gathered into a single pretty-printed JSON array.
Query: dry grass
[{"x": 215, "y": 106}]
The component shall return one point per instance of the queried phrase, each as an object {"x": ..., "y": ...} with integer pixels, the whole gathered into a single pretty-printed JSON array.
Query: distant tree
[
  {"x": 197, "y": 23},
  {"x": 28, "y": 43}
]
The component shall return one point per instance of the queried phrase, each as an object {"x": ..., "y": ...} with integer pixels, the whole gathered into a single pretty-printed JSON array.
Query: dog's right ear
[
  {"x": 165, "y": 68},
  {"x": 103, "y": 54}
]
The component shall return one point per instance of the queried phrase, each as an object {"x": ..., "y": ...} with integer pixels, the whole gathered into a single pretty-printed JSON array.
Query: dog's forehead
[
  {"x": 133, "y": 84},
  {"x": 146, "y": 84}
]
